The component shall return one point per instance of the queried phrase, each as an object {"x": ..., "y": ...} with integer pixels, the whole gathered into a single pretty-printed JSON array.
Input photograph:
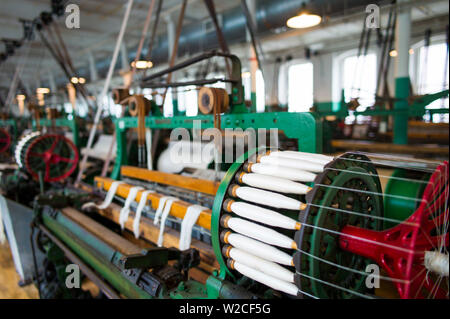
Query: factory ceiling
[{"x": 100, "y": 23}]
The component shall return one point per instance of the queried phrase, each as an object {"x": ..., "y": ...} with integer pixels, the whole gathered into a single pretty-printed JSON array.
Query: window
[
  {"x": 260, "y": 92},
  {"x": 432, "y": 76},
  {"x": 260, "y": 89},
  {"x": 168, "y": 104},
  {"x": 359, "y": 78},
  {"x": 187, "y": 100},
  {"x": 300, "y": 84},
  {"x": 247, "y": 84}
]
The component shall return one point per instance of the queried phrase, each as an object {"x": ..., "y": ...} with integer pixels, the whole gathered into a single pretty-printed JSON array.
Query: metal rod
[
  {"x": 103, "y": 93},
  {"x": 189, "y": 62}
]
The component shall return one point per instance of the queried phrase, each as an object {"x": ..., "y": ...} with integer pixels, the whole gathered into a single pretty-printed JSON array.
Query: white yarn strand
[
  {"x": 108, "y": 199},
  {"x": 139, "y": 209},
  {"x": 164, "y": 215},
  {"x": 189, "y": 220},
  {"x": 125, "y": 211}
]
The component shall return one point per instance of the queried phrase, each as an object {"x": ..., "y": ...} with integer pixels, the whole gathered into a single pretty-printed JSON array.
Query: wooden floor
[{"x": 9, "y": 288}]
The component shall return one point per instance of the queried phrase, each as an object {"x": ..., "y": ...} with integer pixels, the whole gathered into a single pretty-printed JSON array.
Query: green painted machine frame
[
  {"x": 415, "y": 109},
  {"x": 305, "y": 127},
  {"x": 91, "y": 250},
  {"x": 105, "y": 260},
  {"x": 402, "y": 111},
  {"x": 61, "y": 122}
]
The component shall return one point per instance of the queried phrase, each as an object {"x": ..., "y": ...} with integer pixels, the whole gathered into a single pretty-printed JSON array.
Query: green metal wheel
[{"x": 348, "y": 185}]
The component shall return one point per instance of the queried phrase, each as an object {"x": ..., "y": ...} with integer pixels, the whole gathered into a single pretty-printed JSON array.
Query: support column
[
  {"x": 253, "y": 63},
  {"x": 51, "y": 80},
  {"x": 323, "y": 83},
  {"x": 402, "y": 80},
  {"x": 126, "y": 70},
  {"x": 171, "y": 28},
  {"x": 171, "y": 33},
  {"x": 92, "y": 67},
  {"x": 124, "y": 57}
]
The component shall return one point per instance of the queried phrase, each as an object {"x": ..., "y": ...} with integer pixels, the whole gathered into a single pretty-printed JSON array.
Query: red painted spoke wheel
[
  {"x": 402, "y": 250},
  {"x": 53, "y": 155},
  {"x": 5, "y": 140}
]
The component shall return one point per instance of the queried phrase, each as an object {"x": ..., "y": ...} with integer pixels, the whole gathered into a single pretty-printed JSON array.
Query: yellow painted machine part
[
  {"x": 189, "y": 183},
  {"x": 178, "y": 209}
]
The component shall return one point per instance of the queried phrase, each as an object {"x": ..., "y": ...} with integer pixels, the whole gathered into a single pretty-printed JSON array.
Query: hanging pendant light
[{"x": 305, "y": 19}]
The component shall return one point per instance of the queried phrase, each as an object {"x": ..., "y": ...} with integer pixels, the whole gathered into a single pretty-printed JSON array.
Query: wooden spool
[
  {"x": 138, "y": 104},
  {"x": 119, "y": 95},
  {"x": 208, "y": 98}
]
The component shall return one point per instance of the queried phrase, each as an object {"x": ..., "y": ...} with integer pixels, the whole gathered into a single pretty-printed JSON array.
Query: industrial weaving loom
[
  {"x": 277, "y": 221},
  {"x": 279, "y": 224}
]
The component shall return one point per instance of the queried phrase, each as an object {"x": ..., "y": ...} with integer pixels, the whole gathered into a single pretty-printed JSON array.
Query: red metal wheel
[
  {"x": 55, "y": 155},
  {"x": 401, "y": 250},
  {"x": 5, "y": 140}
]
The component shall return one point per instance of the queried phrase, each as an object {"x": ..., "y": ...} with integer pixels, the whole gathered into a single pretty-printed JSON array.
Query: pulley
[
  {"x": 213, "y": 100},
  {"x": 120, "y": 94}
]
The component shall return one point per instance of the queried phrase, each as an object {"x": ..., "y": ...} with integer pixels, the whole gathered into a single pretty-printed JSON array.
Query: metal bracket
[{"x": 153, "y": 258}]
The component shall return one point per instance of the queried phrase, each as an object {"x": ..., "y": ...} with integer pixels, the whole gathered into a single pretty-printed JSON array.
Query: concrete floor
[{"x": 9, "y": 288}]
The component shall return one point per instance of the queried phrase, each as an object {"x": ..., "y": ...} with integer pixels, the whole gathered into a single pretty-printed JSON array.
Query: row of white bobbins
[{"x": 255, "y": 250}]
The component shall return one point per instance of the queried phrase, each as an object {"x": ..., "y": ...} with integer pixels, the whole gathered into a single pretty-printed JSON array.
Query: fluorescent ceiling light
[
  {"x": 142, "y": 64},
  {"x": 304, "y": 20}
]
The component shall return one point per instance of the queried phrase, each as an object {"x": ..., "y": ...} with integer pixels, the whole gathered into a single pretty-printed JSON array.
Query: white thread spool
[
  {"x": 283, "y": 172},
  {"x": 262, "y": 215},
  {"x": 273, "y": 183},
  {"x": 258, "y": 248},
  {"x": 258, "y": 232},
  {"x": 293, "y": 163},
  {"x": 265, "y": 279},
  {"x": 302, "y": 156},
  {"x": 267, "y": 267},
  {"x": 266, "y": 198},
  {"x": 437, "y": 262}
]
